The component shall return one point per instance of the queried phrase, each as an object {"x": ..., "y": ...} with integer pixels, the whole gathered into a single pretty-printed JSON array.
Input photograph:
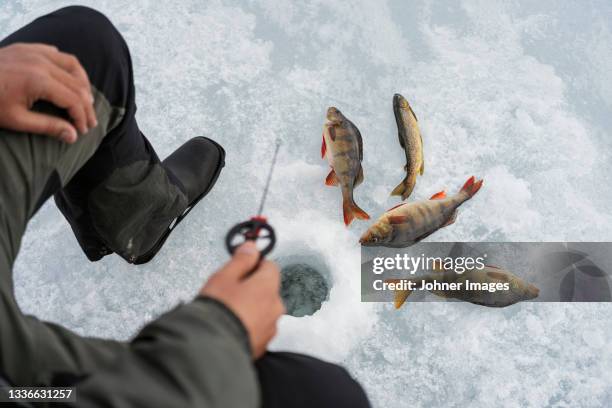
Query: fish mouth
[
  {"x": 364, "y": 242},
  {"x": 397, "y": 109},
  {"x": 332, "y": 113},
  {"x": 397, "y": 99}
]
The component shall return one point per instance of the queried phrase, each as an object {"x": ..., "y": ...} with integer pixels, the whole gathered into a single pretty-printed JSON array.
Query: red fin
[
  {"x": 398, "y": 219},
  {"x": 471, "y": 186},
  {"x": 331, "y": 179},
  {"x": 469, "y": 183},
  {"x": 439, "y": 195},
  {"x": 352, "y": 211},
  {"x": 323, "y": 147},
  {"x": 395, "y": 206}
]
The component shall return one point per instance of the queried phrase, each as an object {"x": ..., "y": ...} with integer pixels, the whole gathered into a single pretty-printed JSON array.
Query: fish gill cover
[{"x": 516, "y": 92}]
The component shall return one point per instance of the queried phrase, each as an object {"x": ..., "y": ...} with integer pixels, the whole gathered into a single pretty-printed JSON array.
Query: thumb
[
  {"x": 244, "y": 260},
  {"x": 33, "y": 122}
]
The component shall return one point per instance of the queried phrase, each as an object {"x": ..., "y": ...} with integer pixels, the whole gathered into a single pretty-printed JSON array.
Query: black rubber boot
[{"x": 195, "y": 168}]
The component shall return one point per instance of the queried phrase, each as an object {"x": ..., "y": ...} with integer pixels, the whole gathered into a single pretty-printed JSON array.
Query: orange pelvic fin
[
  {"x": 398, "y": 219},
  {"x": 439, "y": 195},
  {"x": 331, "y": 179}
]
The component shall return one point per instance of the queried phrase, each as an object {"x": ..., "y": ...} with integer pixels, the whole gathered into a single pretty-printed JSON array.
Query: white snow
[{"x": 513, "y": 91}]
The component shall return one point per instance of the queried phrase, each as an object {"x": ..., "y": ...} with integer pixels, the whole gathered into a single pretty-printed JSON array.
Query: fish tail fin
[
  {"x": 400, "y": 295},
  {"x": 399, "y": 190},
  {"x": 404, "y": 188},
  {"x": 471, "y": 186},
  {"x": 352, "y": 211}
]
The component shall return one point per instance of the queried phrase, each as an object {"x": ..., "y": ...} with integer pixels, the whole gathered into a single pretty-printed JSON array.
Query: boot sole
[{"x": 147, "y": 256}]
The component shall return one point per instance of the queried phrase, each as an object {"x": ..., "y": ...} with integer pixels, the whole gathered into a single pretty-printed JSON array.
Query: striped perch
[
  {"x": 411, "y": 141},
  {"x": 343, "y": 148},
  {"x": 408, "y": 223}
]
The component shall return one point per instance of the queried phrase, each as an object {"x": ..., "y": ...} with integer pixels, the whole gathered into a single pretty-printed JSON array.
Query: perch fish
[
  {"x": 343, "y": 148},
  {"x": 411, "y": 141},
  {"x": 475, "y": 286},
  {"x": 408, "y": 223}
]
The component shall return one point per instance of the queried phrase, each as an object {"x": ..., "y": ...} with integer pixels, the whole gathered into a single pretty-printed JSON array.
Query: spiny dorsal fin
[
  {"x": 413, "y": 114},
  {"x": 395, "y": 206}
]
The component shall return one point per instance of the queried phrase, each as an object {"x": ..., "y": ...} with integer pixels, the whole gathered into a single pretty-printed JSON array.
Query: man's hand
[
  {"x": 32, "y": 72},
  {"x": 255, "y": 299}
]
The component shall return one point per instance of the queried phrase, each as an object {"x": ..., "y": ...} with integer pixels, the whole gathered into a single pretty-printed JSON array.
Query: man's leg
[
  {"x": 33, "y": 167},
  {"x": 299, "y": 381},
  {"x": 187, "y": 357},
  {"x": 98, "y": 181},
  {"x": 108, "y": 197}
]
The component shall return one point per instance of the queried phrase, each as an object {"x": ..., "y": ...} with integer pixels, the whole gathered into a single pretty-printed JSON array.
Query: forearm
[{"x": 195, "y": 355}]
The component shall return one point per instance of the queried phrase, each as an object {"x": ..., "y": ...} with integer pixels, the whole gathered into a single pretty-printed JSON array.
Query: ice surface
[{"x": 516, "y": 92}]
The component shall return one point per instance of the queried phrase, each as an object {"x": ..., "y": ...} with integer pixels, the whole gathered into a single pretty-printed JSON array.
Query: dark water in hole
[{"x": 303, "y": 289}]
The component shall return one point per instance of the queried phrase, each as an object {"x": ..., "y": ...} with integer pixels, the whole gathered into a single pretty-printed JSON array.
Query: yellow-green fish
[
  {"x": 489, "y": 286},
  {"x": 408, "y": 223},
  {"x": 411, "y": 141},
  {"x": 343, "y": 147}
]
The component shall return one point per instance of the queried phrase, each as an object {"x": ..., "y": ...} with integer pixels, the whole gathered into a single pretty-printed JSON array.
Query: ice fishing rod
[{"x": 257, "y": 228}]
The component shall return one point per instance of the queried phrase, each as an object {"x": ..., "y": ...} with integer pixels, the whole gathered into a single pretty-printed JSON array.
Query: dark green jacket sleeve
[{"x": 197, "y": 355}]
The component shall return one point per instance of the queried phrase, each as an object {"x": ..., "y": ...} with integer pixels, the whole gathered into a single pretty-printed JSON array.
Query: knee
[
  {"x": 86, "y": 17},
  {"x": 93, "y": 39},
  {"x": 89, "y": 28}
]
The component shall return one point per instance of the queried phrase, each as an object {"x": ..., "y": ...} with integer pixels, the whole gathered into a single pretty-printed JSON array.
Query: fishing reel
[{"x": 257, "y": 230}]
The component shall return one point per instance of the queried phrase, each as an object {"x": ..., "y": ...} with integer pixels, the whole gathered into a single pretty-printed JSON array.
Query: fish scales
[
  {"x": 343, "y": 148},
  {"x": 411, "y": 141},
  {"x": 408, "y": 223},
  {"x": 517, "y": 289}
]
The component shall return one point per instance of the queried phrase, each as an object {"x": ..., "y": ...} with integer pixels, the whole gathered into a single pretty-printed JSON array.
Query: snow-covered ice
[{"x": 516, "y": 92}]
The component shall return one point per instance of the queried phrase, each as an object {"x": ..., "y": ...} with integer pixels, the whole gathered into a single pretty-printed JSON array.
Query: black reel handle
[{"x": 252, "y": 230}]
